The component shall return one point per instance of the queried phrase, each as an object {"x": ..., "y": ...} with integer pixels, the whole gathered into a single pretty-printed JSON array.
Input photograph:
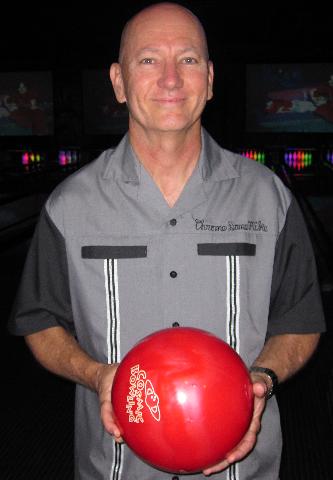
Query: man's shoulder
[
  {"x": 78, "y": 186},
  {"x": 227, "y": 164},
  {"x": 251, "y": 169},
  {"x": 257, "y": 180},
  {"x": 85, "y": 178},
  {"x": 247, "y": 167}
]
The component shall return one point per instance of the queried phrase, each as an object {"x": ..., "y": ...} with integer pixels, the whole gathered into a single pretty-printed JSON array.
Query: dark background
[{"x": 67, "y": 40}]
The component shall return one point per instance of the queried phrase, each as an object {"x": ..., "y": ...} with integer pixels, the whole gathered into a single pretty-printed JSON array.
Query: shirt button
[
  {"x": 173, "y": 274},
  {"x": 175, "y": 324},
  {"x": 173, "y": 222}
]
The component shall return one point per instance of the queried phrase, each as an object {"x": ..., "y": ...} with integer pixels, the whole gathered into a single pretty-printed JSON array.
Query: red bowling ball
[{"x": 182, "y": 399}]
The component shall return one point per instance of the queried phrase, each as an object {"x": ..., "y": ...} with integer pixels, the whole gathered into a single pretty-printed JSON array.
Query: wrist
[
  {"x": 269, "y": 377},
  {"x": 103, "y": 371},
  {"x": 95, "y": 375},
  {"x": 97, "y": 378}
]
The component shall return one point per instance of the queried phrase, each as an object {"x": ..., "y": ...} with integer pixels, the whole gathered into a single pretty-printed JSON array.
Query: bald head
[
  {"x": 159, "y": 13},
  {"x": 164, "y": 74}
]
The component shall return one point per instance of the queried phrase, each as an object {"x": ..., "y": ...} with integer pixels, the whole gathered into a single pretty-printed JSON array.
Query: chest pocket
[
  {"x": 115, "y": 251},
  {"x": 227, "y": 249}
]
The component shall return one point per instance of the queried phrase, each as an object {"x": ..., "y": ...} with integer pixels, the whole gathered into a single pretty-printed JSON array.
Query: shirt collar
[
  {"x": 122, "y": 163},
  {"x": 215, "y": 163}
]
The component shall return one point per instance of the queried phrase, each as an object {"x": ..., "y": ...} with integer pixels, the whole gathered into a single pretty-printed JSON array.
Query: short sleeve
[
  {"x": 43, "y": 297},
  {"x": 295, "y": 303}
]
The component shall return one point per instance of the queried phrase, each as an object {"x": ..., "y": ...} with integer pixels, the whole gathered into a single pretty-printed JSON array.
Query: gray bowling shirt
[{"x": 111, "y": 262}]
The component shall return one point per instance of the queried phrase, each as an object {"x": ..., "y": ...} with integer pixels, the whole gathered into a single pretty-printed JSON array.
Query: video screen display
[
  {"x": 289, "y": 97},
  {"x": 26, "y": 103},
  {"x": 102, "y": 112}
]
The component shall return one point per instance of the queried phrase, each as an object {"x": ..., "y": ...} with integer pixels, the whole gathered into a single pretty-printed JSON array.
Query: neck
[{"x": 170, "y": 157}]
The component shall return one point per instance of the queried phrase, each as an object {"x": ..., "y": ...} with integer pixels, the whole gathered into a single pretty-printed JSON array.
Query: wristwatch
[{"x": 271, "y": 374}]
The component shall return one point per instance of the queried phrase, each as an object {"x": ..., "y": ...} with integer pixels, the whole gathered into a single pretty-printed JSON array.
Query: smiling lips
[{"x": 169, "y": 101}]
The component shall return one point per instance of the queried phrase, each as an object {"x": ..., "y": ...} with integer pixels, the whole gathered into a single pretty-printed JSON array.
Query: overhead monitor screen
[
  {"x": 289, "y": 97},
  {"x": 26, "y": 103}
]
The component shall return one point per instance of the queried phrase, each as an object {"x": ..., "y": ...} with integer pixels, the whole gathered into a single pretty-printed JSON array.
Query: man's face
[{"x": 165, "y": 76}]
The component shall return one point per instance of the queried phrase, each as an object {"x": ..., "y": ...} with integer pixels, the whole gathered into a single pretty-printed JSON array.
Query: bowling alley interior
[{"x": 272, "y": 103}]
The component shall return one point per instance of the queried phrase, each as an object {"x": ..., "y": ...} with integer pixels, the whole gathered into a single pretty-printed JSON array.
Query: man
[{"x": 168, "y": 229}]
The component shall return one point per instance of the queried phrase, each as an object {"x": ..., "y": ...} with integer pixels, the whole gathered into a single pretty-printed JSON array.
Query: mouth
[{"x": 170, "y": 101}]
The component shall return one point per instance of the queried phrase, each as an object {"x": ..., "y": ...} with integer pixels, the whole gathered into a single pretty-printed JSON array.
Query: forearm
[
  {"x": 59, "y": 352},
  {"x": 286, "y": 354}
]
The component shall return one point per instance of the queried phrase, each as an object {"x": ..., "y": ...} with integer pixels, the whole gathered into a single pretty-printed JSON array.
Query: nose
[{"x": 170, "y": 77}]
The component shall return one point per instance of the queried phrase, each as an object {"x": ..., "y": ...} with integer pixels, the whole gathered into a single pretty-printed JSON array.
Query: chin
[
  {"x": 172, "y": 125},
  {"x": 171, "y": 128}
]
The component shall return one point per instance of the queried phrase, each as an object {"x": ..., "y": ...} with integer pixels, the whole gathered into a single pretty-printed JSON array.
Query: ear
[
  {"x": 117, "y": 82},
  {"x": 210, "y": 80}
]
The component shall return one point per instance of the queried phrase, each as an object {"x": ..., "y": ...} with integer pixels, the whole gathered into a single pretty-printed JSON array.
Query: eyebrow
[{"x": 158, "y": 49}]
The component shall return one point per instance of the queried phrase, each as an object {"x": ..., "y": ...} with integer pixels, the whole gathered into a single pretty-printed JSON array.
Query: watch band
[{"x": 271, "y": 374}]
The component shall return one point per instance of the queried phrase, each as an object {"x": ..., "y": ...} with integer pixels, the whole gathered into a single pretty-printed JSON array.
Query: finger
[
  {"x": 108, "y": 419},
  {"x": 259, "y": 389},
  {"x": 216, "y": 468},
  {"x": 249, "y": 440},
  {"x": 243, "y": 448},
  {"x": 258, "y": 408},
  {"x": 238, "y": 453},
  {"x": 118, "y": 439}
]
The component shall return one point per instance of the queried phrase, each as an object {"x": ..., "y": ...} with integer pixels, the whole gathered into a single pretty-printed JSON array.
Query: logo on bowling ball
[
  {"x": 152, "y": 401},
  {"x": 141, "y": 390}
]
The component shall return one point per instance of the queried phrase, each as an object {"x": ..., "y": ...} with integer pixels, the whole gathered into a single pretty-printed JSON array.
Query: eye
[
  {"x": 147, "y": 61},
  {"x": 189, "y": 60}
]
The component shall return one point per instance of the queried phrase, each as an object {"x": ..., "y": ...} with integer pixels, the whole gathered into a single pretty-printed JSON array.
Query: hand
[
  {"x": 105, "y": 376},
  {"x": 246, "y": 445}
]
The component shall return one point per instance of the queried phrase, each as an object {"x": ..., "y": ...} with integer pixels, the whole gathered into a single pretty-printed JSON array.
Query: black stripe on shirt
[
  {"x": 227, "y": 249},
  {"x": 116, "y": 251}
]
